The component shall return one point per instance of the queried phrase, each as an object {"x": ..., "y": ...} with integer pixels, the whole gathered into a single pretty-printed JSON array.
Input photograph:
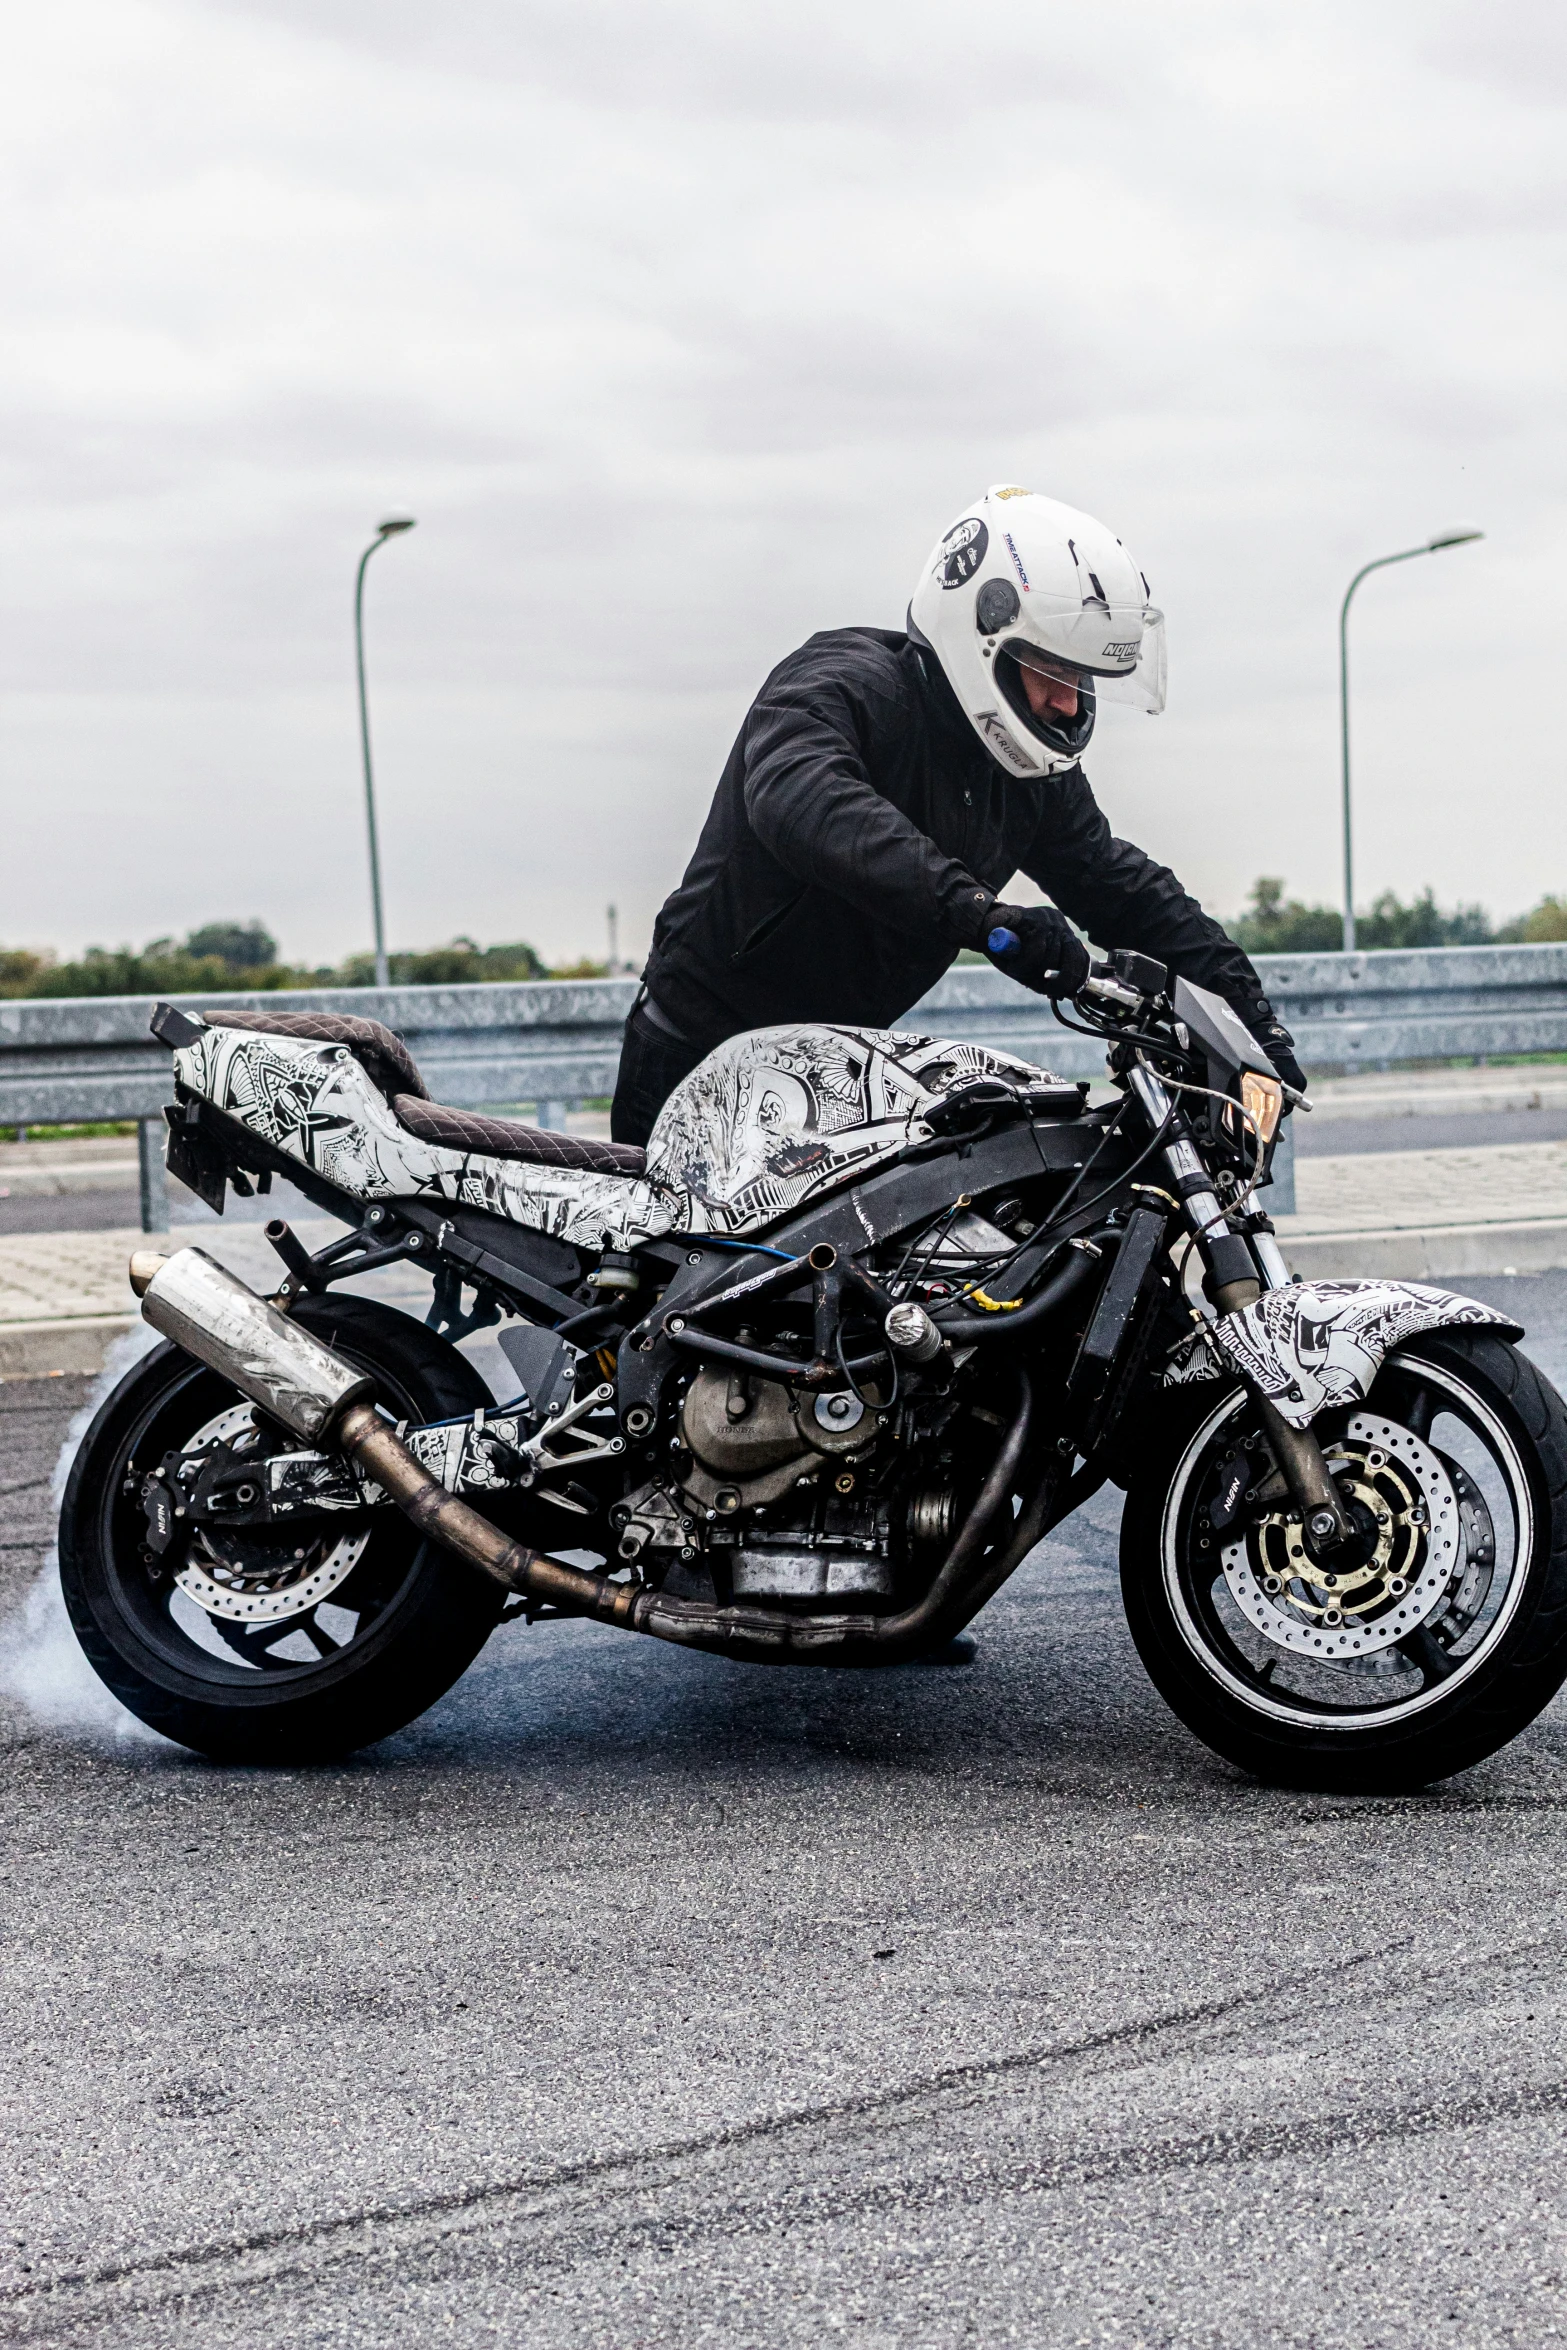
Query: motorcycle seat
[
  {"x": 508, "y": 1138},
  {"x": 388, "y": 1063},
  {"x": 391, "y": 1068}
]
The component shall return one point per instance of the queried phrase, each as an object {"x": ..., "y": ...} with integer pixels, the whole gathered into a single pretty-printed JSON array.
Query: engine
[
  {"x": 842, "y": 1495},
  {"x": 783, "y": 1493}
]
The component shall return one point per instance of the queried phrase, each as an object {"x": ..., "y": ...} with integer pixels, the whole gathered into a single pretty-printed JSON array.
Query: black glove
[
  {"x": 1276, "y": 1041},
  {"x": 1049, "y": 956}
]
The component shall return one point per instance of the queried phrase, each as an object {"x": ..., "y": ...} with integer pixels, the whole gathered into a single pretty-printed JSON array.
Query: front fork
[{"x": 1240, "y": 1266}]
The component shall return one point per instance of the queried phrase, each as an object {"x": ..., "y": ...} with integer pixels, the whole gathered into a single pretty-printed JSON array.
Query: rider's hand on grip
[
  {"x": 1036, "y": 946},
  {"x": 1276, "y": 1041}
]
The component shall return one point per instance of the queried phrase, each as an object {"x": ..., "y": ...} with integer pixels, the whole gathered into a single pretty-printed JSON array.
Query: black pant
[{"x": 652, "y": 1063}]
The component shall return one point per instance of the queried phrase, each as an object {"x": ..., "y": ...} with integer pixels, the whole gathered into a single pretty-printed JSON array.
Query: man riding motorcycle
[{"x": 887, "y": 784}]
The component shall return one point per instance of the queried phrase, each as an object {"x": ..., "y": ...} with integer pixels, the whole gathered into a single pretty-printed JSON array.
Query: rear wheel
[
  {"x": 252, "y": 1645},
  {"x": 1431, "y": 1643}
]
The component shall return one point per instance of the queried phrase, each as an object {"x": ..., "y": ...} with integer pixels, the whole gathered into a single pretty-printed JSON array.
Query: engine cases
[
  {"x": 751, "y": 1438},
  {"x": 750, "y": 1441}
]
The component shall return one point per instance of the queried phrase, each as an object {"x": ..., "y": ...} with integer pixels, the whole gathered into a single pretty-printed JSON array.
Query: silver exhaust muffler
[{"x": 209, "y": 1312}]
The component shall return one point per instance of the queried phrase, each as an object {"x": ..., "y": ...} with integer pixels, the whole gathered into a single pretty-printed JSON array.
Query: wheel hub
[
  {"x": 1376, "y": 1590},
  {"x": 260, "y": 1577}
]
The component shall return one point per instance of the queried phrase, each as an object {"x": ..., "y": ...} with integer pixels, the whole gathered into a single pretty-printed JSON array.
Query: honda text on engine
[{"x": 803, "y": 1384}]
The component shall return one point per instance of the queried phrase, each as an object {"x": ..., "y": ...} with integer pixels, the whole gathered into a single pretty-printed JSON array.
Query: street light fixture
[
  {"x": 389, "y": 529},
  {"x": 1460, "y": 537}
]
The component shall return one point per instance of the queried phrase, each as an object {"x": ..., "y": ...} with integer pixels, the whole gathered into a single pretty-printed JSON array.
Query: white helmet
[{"x": 1023, "y": 582}]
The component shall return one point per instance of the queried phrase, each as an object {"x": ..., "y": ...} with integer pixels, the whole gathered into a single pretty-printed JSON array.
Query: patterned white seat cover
[{"x": 764, "y": 1124}]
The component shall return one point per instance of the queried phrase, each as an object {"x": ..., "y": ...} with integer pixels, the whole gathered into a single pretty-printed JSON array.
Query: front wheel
[
  {"x": 1431, "y": 1642},
  {"x": 263, "y": 1645}
]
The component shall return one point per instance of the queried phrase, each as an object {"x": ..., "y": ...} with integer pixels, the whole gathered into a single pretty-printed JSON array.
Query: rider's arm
[
  {"x": 1122, "y": 898},
  {"x": 812, "y": 803}
]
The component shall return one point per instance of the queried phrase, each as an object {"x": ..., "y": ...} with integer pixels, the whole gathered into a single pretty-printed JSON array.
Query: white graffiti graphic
[
  {"x": 766, "y": 1123},
  {"x": 1318, "y": 1343},
  {"x": 778, "y": 1115},
  {"x": 315, "y": 1103}
]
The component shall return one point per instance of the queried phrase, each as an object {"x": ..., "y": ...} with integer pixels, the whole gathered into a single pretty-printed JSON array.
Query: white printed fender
[{"x": 1318, "y": 1343}]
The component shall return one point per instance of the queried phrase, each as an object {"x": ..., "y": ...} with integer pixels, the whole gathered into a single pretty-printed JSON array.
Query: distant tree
[
  {"x": 21, "y": 968},
  {"x": 1274, "y": 925},
  {"x": 162, "y": 968},
  {"x": 243, "y": 946},
  {"x": 1422, "y": 923},
  {"x": 461, "y": 963},
  {"x": 1546, "y": 923},
  {"x": 165, "y": 967}
]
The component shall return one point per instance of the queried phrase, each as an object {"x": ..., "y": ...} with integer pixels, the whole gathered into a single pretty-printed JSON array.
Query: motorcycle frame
[{"x": 510, "y": 1266}]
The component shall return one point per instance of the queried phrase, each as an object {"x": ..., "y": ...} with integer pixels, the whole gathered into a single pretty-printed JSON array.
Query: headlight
[{"x": 1263, "y": 1099}]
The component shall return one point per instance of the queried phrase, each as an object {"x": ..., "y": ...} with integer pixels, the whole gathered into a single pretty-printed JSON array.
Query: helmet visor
[{"x": 1140, "y": 682}]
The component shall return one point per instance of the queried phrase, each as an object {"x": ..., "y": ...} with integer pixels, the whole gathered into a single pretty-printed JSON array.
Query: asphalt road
[{"x": 632, "y": 1998}]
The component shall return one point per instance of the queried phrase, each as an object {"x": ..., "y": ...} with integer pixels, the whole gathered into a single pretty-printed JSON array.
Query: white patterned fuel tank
[{"x": 777, "y": 1115}]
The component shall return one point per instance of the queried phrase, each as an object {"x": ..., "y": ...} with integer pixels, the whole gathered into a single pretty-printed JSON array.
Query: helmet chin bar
[{"x": 1067, "y": 737}]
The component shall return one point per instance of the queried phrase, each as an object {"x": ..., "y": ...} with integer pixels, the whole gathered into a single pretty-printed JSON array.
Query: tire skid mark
[
  {"x": 349, "y": 2235},
  {"x": 578, "y": 2237}
]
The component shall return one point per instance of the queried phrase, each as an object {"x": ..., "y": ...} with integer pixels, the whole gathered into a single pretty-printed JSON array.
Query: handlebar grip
[{"x": 1003, "y": 942}]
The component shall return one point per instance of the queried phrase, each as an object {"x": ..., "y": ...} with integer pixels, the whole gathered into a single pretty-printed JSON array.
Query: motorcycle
[{"x": 804, "y": 1384}]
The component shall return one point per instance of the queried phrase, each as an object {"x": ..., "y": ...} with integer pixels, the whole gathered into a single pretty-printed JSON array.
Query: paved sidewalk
[
  {"x": 65, "y": 1296},
  {"x": 1413, "y": 1214},
  {"x": 1437, "y": 1093},
  {"x": 98, "y": 1162}
]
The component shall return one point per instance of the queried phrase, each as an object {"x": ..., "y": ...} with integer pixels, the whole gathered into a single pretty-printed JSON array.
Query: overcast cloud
[{"x": 684, "y": 329}]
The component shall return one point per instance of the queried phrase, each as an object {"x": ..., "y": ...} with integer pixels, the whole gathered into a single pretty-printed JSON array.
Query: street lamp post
[
  {"x": 384, "y": 531},
  {"x": 1445, "y": 538}
]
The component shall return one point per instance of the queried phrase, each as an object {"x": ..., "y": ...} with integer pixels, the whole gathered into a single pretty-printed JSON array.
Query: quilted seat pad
[
  {"x": 387, "y": 1061},
  {"x": 508, "y": 1138}
]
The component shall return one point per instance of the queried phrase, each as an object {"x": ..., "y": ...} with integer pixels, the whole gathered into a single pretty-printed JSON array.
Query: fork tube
[
  {"x": 1202, "y": 1207},
  {"x": 1180, "y": 1155},
  {"x": 1298, "y": 1451},
  {"x": 1270, "y": 1260},
  {"x": 1226, "y": 1256}
]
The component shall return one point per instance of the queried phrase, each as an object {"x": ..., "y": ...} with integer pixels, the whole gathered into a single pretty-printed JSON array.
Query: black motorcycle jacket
[{"x": 858, "y": 835}]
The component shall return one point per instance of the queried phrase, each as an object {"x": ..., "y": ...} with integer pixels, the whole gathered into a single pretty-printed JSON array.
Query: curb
[
  {"x": 40, "y": 1350},
  {"x": 80, "y": 1344},
  {"x": 1428, "y": 1252}
]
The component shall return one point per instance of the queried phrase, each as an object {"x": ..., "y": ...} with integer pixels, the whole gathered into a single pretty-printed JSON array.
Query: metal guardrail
[{"x": 553, "y": 1043}]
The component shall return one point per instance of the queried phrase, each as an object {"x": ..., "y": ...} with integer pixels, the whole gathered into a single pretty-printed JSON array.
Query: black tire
[
  {"x": 1481, "y": 1677},
  {"x": 417, "y": 1616}
]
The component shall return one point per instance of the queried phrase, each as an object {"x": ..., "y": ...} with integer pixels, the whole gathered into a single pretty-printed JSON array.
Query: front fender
[{"x": 1317, "y": 1343}]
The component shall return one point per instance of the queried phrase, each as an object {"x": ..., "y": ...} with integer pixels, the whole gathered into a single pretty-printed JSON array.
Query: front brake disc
[{"x": 1402, "y": 1497}]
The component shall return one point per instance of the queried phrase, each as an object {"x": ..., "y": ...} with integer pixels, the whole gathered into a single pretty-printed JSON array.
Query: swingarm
[{"x": 486, "y": 1455}]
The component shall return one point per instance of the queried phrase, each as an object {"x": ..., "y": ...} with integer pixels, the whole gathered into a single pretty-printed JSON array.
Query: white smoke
[{"x": 41, "y": 1663}]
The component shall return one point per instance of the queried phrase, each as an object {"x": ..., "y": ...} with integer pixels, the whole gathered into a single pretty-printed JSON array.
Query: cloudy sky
[{"x": 683, "y": 328}]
